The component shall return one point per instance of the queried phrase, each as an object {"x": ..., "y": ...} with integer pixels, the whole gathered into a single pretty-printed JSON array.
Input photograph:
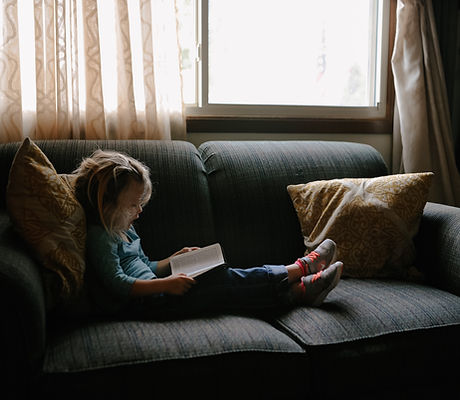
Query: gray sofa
[{"x": 370, "y": 339}]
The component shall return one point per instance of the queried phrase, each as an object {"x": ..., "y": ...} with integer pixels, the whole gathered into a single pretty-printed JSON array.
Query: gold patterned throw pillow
[
  {"x": 373, "y": 221},
  {"x": 46, "y": 213}
]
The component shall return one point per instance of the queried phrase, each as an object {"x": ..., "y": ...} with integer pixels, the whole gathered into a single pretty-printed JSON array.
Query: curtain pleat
[
  {"x": 94, "y": 112},
  {"x": 10, "y": 79}
]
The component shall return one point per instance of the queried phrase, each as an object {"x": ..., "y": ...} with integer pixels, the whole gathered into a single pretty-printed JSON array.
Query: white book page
[{"x": 197, "y": 262}]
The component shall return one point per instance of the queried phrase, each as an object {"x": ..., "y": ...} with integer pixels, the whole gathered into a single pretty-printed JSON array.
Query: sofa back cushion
[
  {"x": 253, "y": 214},
  {"x": 179, "y": 212}
]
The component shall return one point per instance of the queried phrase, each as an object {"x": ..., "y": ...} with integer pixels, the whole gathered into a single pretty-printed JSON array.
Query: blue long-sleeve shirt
[{"x": 116, "y": 264}]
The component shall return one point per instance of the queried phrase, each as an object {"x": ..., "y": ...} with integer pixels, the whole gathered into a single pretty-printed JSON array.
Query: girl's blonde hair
[{"x": 100, "y": 180}]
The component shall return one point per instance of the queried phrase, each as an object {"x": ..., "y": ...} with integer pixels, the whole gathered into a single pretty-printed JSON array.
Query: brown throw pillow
[
  {"x": 46, "y": 213},
  {"x": 373, "y": 221}
]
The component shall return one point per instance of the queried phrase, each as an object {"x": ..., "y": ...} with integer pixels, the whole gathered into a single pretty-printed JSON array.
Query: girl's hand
[
  {"x": 163, "y": 268},
  {"x": 178, "y": 284},
  {"x": 184, "y": 250}
]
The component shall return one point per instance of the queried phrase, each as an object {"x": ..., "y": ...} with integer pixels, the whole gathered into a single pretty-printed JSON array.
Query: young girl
[{"x": 113, "y": 188}]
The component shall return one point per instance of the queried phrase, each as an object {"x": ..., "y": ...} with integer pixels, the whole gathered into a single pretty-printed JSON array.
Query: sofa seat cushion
[
  {"x": 364, "y": 309},
  {"x": 102, "y": 344}
]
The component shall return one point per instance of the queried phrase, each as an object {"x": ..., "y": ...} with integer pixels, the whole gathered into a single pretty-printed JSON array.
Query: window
[{"x": 285, "y": 58}]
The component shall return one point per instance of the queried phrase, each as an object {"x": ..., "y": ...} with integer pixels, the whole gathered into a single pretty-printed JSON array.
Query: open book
[{"x": 199, "y": 261}]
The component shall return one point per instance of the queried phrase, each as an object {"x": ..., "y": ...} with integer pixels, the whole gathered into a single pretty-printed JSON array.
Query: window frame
[{"x": 205, "y": 118}]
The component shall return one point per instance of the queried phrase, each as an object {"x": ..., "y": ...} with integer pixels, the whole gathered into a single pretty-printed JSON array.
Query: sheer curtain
[
  {"x": 422, "y": 131},
  {"x": 89, "y": 69}
]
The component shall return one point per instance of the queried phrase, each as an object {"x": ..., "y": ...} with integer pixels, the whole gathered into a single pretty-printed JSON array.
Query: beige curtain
[
  {"x": 422, "y": 130},
  {"x": 89, "y": 69}
]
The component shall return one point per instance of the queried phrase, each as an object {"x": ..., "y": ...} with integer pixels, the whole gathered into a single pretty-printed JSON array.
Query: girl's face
[{"x": 129, "y": 205}]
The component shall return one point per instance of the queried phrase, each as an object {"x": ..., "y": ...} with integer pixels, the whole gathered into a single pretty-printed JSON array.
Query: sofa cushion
[
  {"x": 46, "y": 213},
  {"x": 373, "y": 221},
  {"x": 103, "y": 344},
  {"x": 254, "y": 217},
  {"x": 362, "y": 309},
  {"x": 380, "y": 339},
  {"x": 179, "y": 212}
]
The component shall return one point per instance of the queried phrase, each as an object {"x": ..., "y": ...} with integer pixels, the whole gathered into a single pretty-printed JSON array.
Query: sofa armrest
[
  {"x": 438, "y": 246},
  {"x": 23, "y": 309}
]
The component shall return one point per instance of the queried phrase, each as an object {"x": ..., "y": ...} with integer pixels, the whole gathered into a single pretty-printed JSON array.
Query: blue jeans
[{"x": 222, "y": 289}]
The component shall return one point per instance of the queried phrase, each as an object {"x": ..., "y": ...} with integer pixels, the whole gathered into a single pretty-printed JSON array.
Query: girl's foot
[
  {"x": 318, "y": 259},
  {"x": 313, "y": 289}
]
